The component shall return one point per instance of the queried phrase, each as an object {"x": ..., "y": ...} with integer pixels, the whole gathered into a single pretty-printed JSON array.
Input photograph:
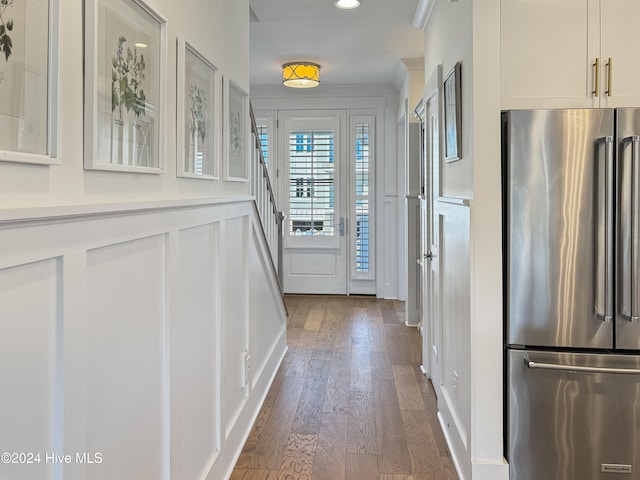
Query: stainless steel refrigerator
[{"x": 572, "y": 339}]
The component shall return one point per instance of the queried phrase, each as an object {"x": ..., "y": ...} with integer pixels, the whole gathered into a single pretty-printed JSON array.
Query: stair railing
[{"x": 272, "y": 219}]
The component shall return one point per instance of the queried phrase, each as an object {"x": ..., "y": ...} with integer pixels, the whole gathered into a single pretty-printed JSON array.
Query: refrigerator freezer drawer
[{"x": 573, "y": 416}]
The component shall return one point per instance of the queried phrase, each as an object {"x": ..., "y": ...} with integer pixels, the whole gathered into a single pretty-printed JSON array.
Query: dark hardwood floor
[{"x": 349, "y": 401}]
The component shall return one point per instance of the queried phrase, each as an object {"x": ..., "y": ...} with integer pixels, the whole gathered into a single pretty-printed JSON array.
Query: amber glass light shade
[{"x": 301, "y": 74}]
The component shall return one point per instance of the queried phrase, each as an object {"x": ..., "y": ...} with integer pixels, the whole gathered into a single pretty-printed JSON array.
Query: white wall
[
  {"x": 129, "y": 301},
  {"x": 471, "y": 297},
  {"x": 410, "y": 95},
  {"x": 382, "y": 101},
  {"x": 449, "y": 40},
  {"x": 219, "y": 29},
  {"x": 124, "y": 333}
]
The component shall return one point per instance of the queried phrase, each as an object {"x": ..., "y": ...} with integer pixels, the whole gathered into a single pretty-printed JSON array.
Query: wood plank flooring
[{"x": 349, "y": 401}]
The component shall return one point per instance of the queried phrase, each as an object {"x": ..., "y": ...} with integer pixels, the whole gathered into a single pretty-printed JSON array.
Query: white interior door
[
  {"x": 316, "y": 227},
  {"x": 432, "y": 318}
]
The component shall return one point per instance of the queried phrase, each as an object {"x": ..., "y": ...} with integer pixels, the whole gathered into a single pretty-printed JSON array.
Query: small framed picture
[
  {"x": 452, "y": 115},
  {"x": 198, "y": 138},
  {"x": 125, "y": 50},
  {"x": 236, "y": 133},
  {"x": 29, "y": 130}
]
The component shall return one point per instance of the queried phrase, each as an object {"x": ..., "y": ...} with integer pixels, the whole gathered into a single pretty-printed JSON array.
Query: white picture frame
[
  {"x": 125, "y": 85},
  {"x": 452, "y": 87},
  {"x": 236, "y": 133},
  {"x": 197, "y": 115},
  {"x": 29, "y": 86}
]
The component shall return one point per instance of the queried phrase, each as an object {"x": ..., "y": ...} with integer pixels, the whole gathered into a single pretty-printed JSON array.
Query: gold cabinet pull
[
  {"x": 609, "y": 66},
  {"x": 596, "y": 69}
]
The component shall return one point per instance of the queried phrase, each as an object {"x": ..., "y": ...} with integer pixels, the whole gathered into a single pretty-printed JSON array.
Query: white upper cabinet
[
  {"x": 569, "y": 53},
  {"x": 620, "y": 43}
]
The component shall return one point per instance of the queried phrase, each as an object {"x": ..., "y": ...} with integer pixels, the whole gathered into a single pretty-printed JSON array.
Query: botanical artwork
[
  {"x": 237, "y": 132},
  {"x": 197, "y": 138},
  {"x": 124, "y": 95},
  {"x": 24, "y": 79},
  {"x": 198, "y": 108},
  {"x": 126, "y": 80},
  {"x": 6, "y": 26}
]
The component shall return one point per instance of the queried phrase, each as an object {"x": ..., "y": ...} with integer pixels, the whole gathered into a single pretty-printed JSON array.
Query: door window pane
[
  {"x": 311, "y": 182},
  {"x": 362, "y": 197}
]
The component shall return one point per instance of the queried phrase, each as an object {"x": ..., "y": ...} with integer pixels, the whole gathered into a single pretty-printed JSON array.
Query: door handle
[
  {"x": 428, "y": 256},
  {"x": 609, "y": 66},
  {"x": 632, "y": 313},
  {"x": 604, "y": 237},
  {"x": 596, "y": 69},
  {"x": 635, "y": 143},
  {"x": 342, "y": 226},
  {"x": 610, "y": 224},
  {"x": 577, "y": 368}
]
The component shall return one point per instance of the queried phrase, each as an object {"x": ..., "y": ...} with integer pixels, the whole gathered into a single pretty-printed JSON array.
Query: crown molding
[{"x": 423, "y": 14}]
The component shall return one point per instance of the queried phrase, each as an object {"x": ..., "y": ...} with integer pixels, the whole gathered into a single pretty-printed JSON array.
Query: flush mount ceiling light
[
  {"x": 347, "y": 4},
  {"x": 301, "y": 74}
]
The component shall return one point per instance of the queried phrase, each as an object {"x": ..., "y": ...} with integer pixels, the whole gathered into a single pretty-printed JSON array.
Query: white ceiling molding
[
  {"x": 423, "y": 14},
  {"x": 253, "y": 18},
  {"x": 413, "y": 63}
]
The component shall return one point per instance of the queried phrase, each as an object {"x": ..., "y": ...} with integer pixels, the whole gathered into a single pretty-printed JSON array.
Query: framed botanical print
[
  {"x": 452, "y": 115},
  {"x": 236, "y": 134},
  {"x": 29, "y": 81},
  {"x": 198, "y": 137},
  {"x": 125, "y": 49}
]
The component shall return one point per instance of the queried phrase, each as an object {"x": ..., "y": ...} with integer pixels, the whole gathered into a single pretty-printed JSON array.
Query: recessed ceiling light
[{"x": 347, "y": 4}]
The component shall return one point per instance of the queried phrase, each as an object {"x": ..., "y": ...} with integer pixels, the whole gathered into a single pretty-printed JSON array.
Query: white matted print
[
  {"x": 198, "y": 135},
  {"x": 237, "y": 134},
  {"x": 29, "y": 81},
  {"x": 125, "y": 48}
]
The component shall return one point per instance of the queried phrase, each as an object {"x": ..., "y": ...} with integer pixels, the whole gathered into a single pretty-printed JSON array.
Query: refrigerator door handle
[
  {"x": 604, "y": 306},
  {"x": 631, "y": 270},
  {"x": 577, "y": 368}
]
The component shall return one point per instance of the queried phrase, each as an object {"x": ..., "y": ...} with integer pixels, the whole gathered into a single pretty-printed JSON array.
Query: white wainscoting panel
[
  {"x": 234, "y": 322},
  {"x": 123, "y": 334},
  {"x": 195, "y": 362},
  {"x": 454, "y": 401},
  {"x": 265, "y": 314},
  {"x": 125, "y": 348},
  {"x": 387, "y": 231},
  {"x": 30, "y": 330}
]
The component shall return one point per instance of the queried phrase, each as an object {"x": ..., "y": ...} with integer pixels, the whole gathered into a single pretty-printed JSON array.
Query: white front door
[{"x": 328, "y": 232}]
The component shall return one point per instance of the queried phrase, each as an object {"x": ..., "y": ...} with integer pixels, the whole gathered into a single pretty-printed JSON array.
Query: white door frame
[
  {"x": 338, "y": 264},
  {"x": 431, "y": 313},
  {"x": 316, "y": 263}
]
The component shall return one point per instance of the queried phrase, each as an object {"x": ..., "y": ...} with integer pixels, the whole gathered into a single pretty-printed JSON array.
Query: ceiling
[{"x": 353, "y": 47}]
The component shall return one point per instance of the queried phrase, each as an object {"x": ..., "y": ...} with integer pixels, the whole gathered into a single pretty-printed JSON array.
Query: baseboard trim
[
  {"x": 255, "y": 414},
  {"x": 454, "y": 453}
]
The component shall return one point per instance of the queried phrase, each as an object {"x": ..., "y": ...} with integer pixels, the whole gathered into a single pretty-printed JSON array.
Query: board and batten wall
[
  {"x": 468, "y": 220},
  {"x": 141, "y": 321},
  {"x": 125, "y": 336}
]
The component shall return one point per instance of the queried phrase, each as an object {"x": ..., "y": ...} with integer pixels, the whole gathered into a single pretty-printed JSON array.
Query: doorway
[
  {"x": 327, "y": 159},
  {"x": 430, "y": 235}
]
